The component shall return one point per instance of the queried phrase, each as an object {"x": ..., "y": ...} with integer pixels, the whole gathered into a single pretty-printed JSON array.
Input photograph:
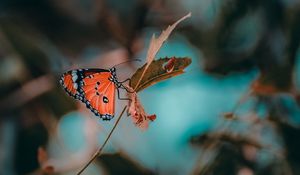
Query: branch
[{"x": 99, "y": 151}]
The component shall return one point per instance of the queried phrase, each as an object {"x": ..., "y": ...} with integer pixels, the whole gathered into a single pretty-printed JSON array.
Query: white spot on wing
[
  {"x": 75, "y": 85},
  {"x": 74, "y": 77},
  {"x": 74, "y": 72}
]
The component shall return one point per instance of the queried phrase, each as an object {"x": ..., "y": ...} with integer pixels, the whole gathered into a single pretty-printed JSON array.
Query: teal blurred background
[{"x": 235, "y": 110}]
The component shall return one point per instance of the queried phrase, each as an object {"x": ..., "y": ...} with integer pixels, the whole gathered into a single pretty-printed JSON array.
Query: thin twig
[
  {"x": 141, "y": 77},
  {"x": 99, "y": 151},
  {"x": 241, "y": 100}
]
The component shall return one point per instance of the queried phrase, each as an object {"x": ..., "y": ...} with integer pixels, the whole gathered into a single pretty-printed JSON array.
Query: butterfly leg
[
  {"x": 123, "y": 87},
  {"x": 128, "y": 79},
  {"x": 120, "y": 98}
]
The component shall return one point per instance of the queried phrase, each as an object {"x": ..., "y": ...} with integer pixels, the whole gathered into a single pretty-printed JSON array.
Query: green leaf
[{"x": 159, "y": 71}]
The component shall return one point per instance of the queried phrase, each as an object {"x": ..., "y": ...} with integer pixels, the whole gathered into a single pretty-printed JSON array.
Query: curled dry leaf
[
  {"x": 159, "y": 70},
  {"x": 137, "y": 111},
  {"x": 156, "y": 43}
]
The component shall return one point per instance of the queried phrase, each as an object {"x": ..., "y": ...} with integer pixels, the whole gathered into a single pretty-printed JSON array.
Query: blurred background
[{"x": 234, "y": 112}]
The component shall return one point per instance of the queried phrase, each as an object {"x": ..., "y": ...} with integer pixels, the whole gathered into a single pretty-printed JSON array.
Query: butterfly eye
[{"x": 105, "y": 99}]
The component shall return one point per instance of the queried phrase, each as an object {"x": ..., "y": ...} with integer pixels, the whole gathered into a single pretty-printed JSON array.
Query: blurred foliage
[
  {"x": 120, "y": 164},
  {"x": 40, "y": 39}
]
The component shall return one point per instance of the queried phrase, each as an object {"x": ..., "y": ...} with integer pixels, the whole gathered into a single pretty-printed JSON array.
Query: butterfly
[{"x": 94, "y": 87}]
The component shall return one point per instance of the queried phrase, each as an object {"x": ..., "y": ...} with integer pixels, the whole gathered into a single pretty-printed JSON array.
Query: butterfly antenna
[{"x": 127, "y": 62}]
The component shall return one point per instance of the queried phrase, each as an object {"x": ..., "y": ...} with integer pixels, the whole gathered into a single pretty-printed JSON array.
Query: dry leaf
[
  {"x": 159, "y": 70},
  {"x": 137, "y": 111},
  {"x": 156, "y": 43}
]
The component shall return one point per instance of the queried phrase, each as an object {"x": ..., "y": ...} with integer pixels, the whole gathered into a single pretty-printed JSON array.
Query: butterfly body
[{"x": 94, "y": 87}]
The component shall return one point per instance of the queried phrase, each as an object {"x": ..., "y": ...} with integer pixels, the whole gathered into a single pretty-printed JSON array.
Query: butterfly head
[
  {"x": 114, "y": 77},
  {"x": 113, "y": 71}
]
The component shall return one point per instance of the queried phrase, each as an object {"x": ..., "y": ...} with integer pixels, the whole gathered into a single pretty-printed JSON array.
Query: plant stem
[
  {"x": 241, "y": 100},
  {"x": 141, "y": 77},
  {"x": 99, "y": 151}
]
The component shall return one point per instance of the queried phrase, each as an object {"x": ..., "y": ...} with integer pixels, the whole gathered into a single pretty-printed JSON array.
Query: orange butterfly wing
[
  {"x": 71, "y": 83},
  {"x": 94, "y": 87},
  {"x": 99, "y": 93}
]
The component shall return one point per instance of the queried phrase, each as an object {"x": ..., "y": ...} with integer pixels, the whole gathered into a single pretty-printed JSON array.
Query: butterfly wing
[
  {"x": 71, "y": 82},
  {"x": 99, "y": 93},
  {"x": 94, "y": 88}
]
